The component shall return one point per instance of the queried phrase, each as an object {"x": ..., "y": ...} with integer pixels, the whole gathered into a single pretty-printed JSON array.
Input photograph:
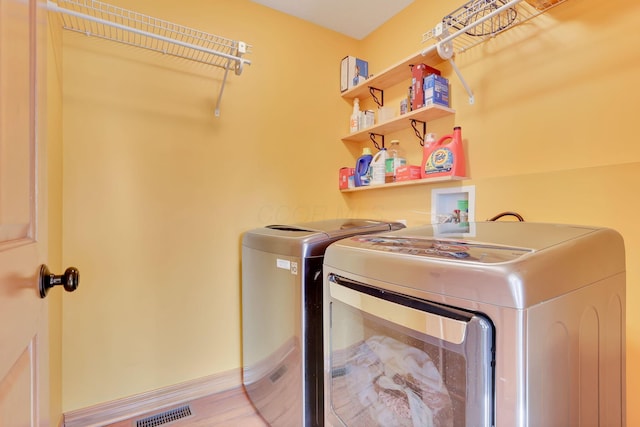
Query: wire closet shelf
[
  {"x": 476, "y": 21},
  {"x": 105, "y": 21}
]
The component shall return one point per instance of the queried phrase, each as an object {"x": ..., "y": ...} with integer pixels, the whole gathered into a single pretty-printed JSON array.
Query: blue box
[
  {"x": 436, "y": 90},
  {"x": 353, "y": 71}
]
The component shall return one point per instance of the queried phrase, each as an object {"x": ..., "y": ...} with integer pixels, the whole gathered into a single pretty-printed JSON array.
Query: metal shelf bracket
[
  {"x": 419, "y": 134},
  {"x": 373, "y": 91},
  {"x": 372, "y": 137}
]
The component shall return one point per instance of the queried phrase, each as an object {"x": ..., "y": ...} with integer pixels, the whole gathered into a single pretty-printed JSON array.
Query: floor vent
[{"x": 165, "y": 417}]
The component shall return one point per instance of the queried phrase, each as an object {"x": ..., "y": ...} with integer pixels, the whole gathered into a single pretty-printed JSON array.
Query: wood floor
[{"x": 225, "y": 409}]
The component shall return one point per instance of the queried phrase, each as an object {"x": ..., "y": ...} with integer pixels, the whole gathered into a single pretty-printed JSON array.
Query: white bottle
[
  {"x": 429, "y": 139},
  {"x": 378, "y": 167},
  {"x": 354, "y": 123}
]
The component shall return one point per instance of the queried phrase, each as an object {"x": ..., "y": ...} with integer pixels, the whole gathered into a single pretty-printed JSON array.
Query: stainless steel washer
[
  {"x": 510, "y": 324},
  {"x": 282, "y": 316}
]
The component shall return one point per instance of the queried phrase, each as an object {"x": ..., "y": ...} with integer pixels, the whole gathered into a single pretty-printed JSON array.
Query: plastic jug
[
  {"x": 395, "y": 159},
  {"x": 378, "y": 167},
  {"x": 440, "y": 159},
  {"x": 361, "y": 176}
]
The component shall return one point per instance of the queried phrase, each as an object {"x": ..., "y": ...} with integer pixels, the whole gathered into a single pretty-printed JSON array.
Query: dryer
[{"x": 513, "y": 324}]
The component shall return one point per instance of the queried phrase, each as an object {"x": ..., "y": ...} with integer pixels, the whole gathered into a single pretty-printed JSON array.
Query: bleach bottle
[
  {"x": 440, "y": 159},
  {"x": 361, "y": 176},
  {"x": 378, "y": 167}
]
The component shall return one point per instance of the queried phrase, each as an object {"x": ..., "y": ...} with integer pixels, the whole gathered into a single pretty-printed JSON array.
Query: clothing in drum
[{"x": 401, "y": 361}]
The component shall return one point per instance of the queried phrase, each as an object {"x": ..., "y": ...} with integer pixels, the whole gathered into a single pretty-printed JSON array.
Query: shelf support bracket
[
  {"x": 224, "y": 80},
  {"x": 373, "y": 91},
  {"x": 420, "y": 136},
  {"x": 463, "y": 81},
  {"x": 372, "y": 137}
]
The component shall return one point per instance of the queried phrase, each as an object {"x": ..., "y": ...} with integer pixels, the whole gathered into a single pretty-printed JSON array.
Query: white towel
[{"x": 398, "y": 384}]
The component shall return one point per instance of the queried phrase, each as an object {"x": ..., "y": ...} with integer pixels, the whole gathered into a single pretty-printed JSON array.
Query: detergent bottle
[
  {"x": 444, "y": 159},
  {"x": 361, "y": 176},
  {"x": 378, "y": 165}
]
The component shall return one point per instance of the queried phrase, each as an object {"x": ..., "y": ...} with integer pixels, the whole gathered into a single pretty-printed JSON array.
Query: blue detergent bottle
[{"x": 361, "y": 176}]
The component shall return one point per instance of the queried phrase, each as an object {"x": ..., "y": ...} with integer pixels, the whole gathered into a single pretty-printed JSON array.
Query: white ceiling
[{"x": 354, "y": 18}]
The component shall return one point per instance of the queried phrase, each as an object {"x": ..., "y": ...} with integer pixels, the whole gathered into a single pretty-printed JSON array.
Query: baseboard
[{"x": 133, "y": 406}]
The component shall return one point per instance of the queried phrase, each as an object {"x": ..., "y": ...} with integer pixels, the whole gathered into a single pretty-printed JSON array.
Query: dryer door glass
[{"x": 398, "y": 360}]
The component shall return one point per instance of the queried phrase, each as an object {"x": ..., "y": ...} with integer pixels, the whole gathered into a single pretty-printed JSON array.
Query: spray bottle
[{"x": 440, "y": 159}]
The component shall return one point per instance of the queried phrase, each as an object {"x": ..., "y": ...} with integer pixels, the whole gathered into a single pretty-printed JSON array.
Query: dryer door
[{"x": 391, "y": 359}]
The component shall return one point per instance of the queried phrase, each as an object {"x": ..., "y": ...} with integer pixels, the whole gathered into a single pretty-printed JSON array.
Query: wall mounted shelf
[
  {"x": 405, "y": 183},
  {"x": 393, "y": 75},
  {"x": 102, "y": 20},
  {"x": 424, "y": 114}
]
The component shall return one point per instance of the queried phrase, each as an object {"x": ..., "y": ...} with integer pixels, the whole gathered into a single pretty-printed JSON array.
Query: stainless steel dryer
[
  {"x": 512, "y": 324},
  {"x": 282, "y": 316}
]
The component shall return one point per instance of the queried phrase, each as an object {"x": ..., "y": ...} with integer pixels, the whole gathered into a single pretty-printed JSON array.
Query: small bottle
[
  {"x": 354, "y": 123},
  {"x": 429, "y": 139},
  {"x": 397, "y": 157}
]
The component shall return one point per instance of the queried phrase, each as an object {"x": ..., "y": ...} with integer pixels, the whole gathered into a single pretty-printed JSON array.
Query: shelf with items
[
  {"x": 424, "y": 181},
  {"x": 393, "y": 75},
  {"x": 424, "y": 114}
]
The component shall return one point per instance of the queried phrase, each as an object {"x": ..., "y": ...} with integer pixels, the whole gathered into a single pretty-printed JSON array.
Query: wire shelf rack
[
  {"x": 478, "y": 20},
  {"x": 475, "y": 22},
  {"x": 105, "y": 21}
]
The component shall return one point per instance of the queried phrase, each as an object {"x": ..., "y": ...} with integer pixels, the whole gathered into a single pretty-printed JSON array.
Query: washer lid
[
  {"x": 445, "y": 249},
  {"x": 512, "y": 264},
  {"x": 311, "y": 238},
  {"x": 339, "y": 228}
]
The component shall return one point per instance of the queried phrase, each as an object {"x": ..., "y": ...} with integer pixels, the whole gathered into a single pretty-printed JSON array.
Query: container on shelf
[
  {"x": 443, "y": 159},
  {"x": 361, "y": 176},
  {"x": 378, "y": 167},
  {"x": 395, "y": 159}
]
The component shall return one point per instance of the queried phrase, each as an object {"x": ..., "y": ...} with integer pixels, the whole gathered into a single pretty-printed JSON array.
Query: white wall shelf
[
  {"x": 393, "y": 75},
  {"x": 424, "y": 114},
  {"x": 405, "y": 183},
  {"x": 102, "y": 20}
]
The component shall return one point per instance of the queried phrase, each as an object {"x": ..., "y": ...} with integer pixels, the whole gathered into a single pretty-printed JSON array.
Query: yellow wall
[{"x": 157, "y": 191}]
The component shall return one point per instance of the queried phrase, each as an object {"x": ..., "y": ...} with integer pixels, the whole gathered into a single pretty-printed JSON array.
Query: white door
[{"x": 24, "y": 361}]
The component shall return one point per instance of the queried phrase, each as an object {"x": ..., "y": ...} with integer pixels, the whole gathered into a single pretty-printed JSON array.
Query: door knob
[{"x": 69, "y": 280}]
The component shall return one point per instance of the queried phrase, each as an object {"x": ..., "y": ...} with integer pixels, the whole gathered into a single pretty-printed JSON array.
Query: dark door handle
[{"x": 70, "y": 280}]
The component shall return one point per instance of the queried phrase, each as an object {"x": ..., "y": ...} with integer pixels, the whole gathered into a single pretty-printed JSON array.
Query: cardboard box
[
  {"x": 418, "y": 74},
  {"x": 346, "y": 178},
  {"x": 436, "y": 90},
  {"x": 352, "y": 72},
  {"x": 407, "y": 173}
]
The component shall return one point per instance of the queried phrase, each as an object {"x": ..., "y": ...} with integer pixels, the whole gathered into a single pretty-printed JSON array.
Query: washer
[{"x": 282, "y": 316}]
